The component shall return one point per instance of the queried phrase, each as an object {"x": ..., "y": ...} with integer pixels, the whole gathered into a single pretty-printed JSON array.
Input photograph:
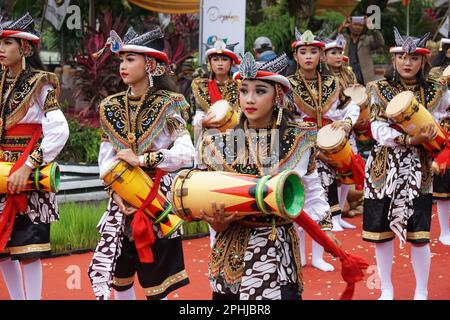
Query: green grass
[{"x": 76, "y": 228}]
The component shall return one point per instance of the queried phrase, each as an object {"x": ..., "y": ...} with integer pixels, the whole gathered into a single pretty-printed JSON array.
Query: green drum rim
[
  {"x": 259, "y": 194},
  {"x": 291, "y": 194},
  {"x": 177, "y": 226},
  {"x": 164, "y": 214},
  {"x": 36, "y": 179},
  {"x": 54, "y": 177}
]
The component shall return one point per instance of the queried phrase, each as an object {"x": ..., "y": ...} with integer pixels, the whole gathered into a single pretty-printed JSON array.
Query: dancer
[
  {"x": 441, "y": 182},
  {"x": 398, "y": 198},
  {"x": 144, "y": 127},
  {"x": 219, "y": 86},
  {"x": 29, "y": 113},
  {"x": 317, "y": 99},
  {"x": 333, "y": 54},
  {"x": 266, "y": 116}
]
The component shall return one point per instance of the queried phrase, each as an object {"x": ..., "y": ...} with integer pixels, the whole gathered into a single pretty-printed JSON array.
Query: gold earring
[
  {"x": 280, "y": 116},
  {"x": 24, "y": 63}
]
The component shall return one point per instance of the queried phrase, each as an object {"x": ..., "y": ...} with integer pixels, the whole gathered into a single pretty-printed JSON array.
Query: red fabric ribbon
[
  {"x": 358, "y": 166},
  {"x": 352, "y": 266},
  {"x": 214, "y": 92},
  {"x": 17, "y": 202},
  {"x": 443, "y": 158},
  {"x": 142, "y": 226}
]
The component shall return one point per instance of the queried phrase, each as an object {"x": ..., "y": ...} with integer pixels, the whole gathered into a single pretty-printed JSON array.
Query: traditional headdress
[
  {"x": 268, "y": 71},
  {"x": 23, "y": 28},
  {"x": 221, "y": 47},
  {"x": 306, "y": 39},
  {"x": 150, "y": 43},
  {"x": 407, "y": 44},
  {"x": 339, "y": 42}
]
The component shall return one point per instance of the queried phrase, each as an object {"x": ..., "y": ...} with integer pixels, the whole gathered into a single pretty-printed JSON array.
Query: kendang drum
[
  {"x": 224, "y": 114},
  {"x": 45, "y": 178},
  {"x": 358, "y": 94},
  {"x": 411, "y": 116},
  {"x": 133, "y": 185},
  {"x": 195, "y": 190},
  {"x": 335, "y": 145}
]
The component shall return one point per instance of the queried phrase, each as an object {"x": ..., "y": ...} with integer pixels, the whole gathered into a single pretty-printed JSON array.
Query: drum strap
[
  {"x": 16, "y": 202},
  {"x": 142, "y": 227},
  {"x": 214, "y": 92},
  {"x": 352, "y": 266}
]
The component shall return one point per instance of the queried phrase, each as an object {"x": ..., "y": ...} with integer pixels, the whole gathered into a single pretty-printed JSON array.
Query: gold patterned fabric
[
  {"x": 229, "y": 91},
  {"x": 303, "y": 99},
  {"x": 346, "y": 78},
  {"x": 227, "y": 264},
  {"x": 134, "y": 122},
  {"x": 17, "y": 94}
]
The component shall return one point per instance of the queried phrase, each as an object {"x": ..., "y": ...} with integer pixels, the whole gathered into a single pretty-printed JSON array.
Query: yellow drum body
[
  {"x": 335, "y": 145},
  {"x": 224, "y": 114},
  {"x": 133, "y": 185},
  {"x": 195, "y": 190},
  {"x": 411, "y": 116},
  {"x": 44, "y": 178}
]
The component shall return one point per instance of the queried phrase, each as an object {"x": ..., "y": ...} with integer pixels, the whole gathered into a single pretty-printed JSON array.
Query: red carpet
[{"x": 61, "y": 275}]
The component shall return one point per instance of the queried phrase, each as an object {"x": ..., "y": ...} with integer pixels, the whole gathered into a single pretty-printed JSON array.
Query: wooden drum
[{"x": 224, "y": 114}]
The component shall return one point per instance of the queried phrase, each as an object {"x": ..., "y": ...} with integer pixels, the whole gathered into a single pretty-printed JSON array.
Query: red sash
[
  {"x": 17, "y": 202},
  {"x": 214, "y": 92}
]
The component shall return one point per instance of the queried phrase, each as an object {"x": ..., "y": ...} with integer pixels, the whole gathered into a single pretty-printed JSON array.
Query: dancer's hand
[
  {"x": 124, "y": 206},
  {"x": 426, "y": 133},
  {"x": 128, "y": 156},
  {"x": 327, "y": 160},
  {"x": 342, "y": 124},
  {"x": 332, "y": 237},
  {"x": 219, "y": 219},
  {"x": 209, "y": 121},
  {"x": 17, "y": 181}
]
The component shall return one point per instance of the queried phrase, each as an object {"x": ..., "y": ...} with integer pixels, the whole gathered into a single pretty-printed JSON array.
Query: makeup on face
[
  {"x": 132, "y": 67},
  {"x": 9, "y": 52},
  {"x": 409, "y": 65},
  {"x": 256, "y": 99},
  {"x": 308, "y": 57}
]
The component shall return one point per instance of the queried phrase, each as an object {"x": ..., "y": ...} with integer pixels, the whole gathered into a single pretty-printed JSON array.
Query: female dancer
[
  {"x": 243, "y": 244},
  {"x": 441, "y": 182},
  {"x": 220, "y": 86},
  {"x": 317, "y": 99},
  {"x": 144, "y": 127},
  {"x": 29, "y": 113},
  {"x": 398, "y": 198}
]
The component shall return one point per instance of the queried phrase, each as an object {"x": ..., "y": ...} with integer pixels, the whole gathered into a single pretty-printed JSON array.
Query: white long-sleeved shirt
[
  {"x": 315, "y": 204},
  {"x": 55, "y": 129},
  {"x": 176, "y": 156},
  {"x": 351, "y": 111},
  {"x": 386, "y": 135}
]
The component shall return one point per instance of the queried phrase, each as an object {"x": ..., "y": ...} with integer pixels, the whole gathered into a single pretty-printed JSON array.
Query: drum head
[
  {"x": 399, "y": 103},
  {"x": 357, "y": 93},
  {"x": 109, "y": 168},
  {"x": 329, "y": 139},
  {"x": 446, "y": 72},
  {"x": 220, "y": 109}
]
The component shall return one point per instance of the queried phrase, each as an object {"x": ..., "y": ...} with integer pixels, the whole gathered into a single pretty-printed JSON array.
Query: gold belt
[{"x": 10, "y": 156}]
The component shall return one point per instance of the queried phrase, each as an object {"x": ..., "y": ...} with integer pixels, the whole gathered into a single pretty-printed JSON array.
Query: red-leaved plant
[{"x": 96, "y": 79}]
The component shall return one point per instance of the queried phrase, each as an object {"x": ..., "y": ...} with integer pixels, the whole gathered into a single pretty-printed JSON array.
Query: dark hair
[
  {"x": 165, "y": 82},
  {"x": 441, "y": 60},
  {"x": 34, "y": 60},
  {"x": 421, "y": 77}
]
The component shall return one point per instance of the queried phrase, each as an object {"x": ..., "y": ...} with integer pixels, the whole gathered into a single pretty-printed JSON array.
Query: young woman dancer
[
  {"x": 144, "y": 127},
  {"x": 33, "y": 131}
]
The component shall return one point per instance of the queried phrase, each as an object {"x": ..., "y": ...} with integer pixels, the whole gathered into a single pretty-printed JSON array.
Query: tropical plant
[
  {"x": 83, "y": 144},
  {"x": 98, "y": 78}
]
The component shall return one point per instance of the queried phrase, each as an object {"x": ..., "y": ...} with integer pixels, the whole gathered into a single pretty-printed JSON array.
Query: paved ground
[{"x": 59, "y": 284}]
